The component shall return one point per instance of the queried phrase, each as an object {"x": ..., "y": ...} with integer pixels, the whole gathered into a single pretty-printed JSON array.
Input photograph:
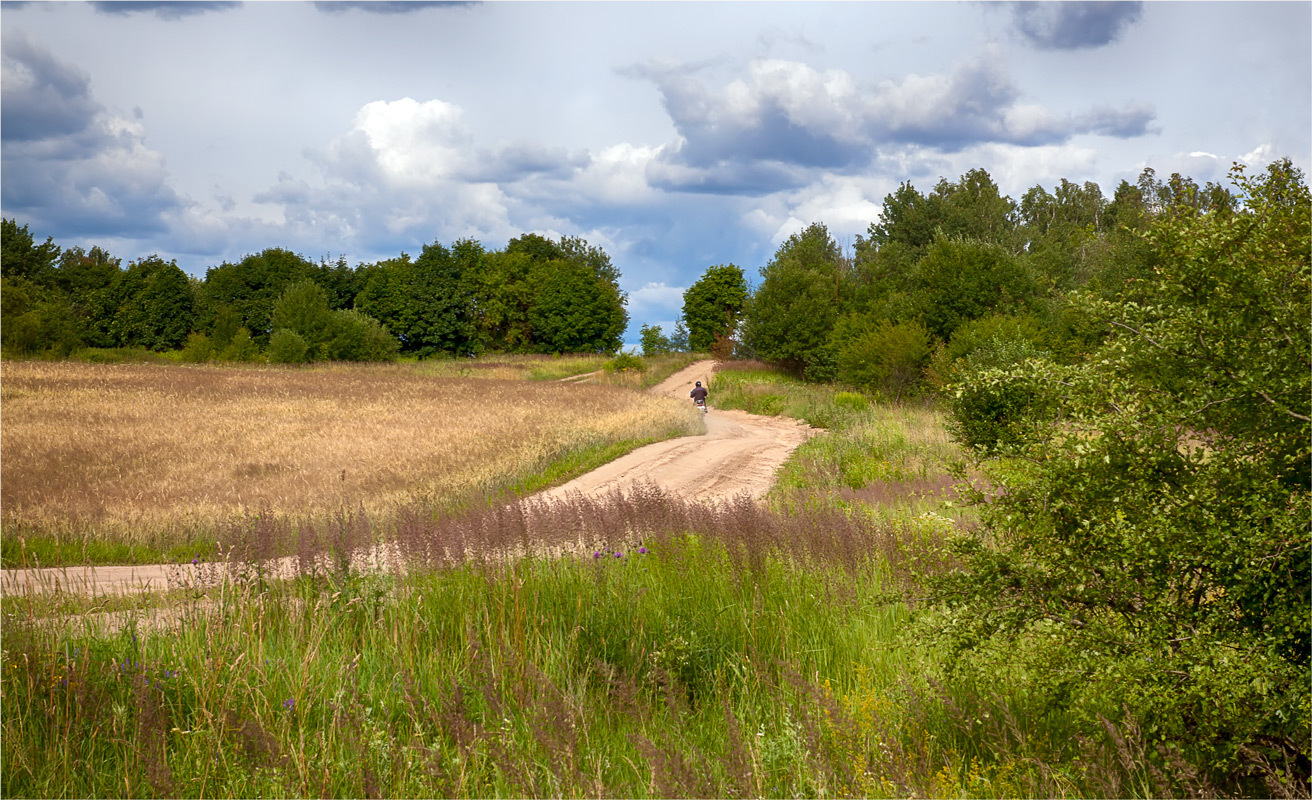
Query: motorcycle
[{"x": 701, "y": 404}]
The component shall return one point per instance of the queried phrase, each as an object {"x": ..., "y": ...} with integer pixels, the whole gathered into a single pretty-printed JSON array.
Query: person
[{"x": 698, "y": 394}]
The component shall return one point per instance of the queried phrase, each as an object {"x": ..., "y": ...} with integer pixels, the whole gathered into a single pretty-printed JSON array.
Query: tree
[
  {"x": 712, "y": 305},
  {"x": 574, "y": 311},
  {"x": 963, "y": 279},
  {"x": 789, "y": 318},
  {"x": 654, "y": 341},
  {"x": 155, "y": 305},
  {"x": 1146, "y": 545},
  {"x": 303, "y": 310},
  {"x": 887, "y": 357},
  {"x": 22, "y": 257},
  {"x": 252, "y": 286}
]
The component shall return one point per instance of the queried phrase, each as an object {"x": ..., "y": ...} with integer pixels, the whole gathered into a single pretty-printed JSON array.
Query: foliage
[
  {"x": 302, "y": 309},
  {"x": 887, "y": 357},
  {"x": 353, "y": 336},
  {"x": 198, "y": 349},
  {"x": 574, "y": 310},
  {"x": 287, "y": 347},
  {"x": 996, "y": 341},
  {"x": 1146, "y": 557},
  {"x": 712, "y": 305},
  {"x": 654, "y": 341},
  {"x": 155, "y": 306},
  {"x": 790, "y": 316},
  {"x": 625, "y": 362}
]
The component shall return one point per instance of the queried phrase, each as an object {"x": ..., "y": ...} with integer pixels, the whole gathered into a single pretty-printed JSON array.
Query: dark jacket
[{"x": 698, "y": 394}]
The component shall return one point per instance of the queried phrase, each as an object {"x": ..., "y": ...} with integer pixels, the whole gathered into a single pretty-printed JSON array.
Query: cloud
[
  {"x": 384, "y": 6},
  {"x": 71, "y": 166},
  {"x": 164, "y": 9},
  {"x": 1073, "y": 25},
  {"x": 784, "y": 122},
  {"x": 43, "y": 97}
]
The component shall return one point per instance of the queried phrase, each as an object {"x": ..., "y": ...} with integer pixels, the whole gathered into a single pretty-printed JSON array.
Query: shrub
[
  {"x": 353, "y": 336},
  {"x": 198, "y": 349},
  {"x": 242, "y": 348},
  {"x": 287, "y": 347},
  {"x": 889, "y": 357},
  {"x": 624, "y": 362}
]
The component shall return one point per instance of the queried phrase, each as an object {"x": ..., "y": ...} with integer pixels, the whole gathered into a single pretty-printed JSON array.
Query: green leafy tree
[
  {"x": 654, "y": 341},
  {"x": 303, "y": 310},
  {"x": 22, "y": 257},
  {"x": 713, "y": 304},
  {"x": 574, "y": 311},
  {"x": 963, "y": 279},
  {"x": 1147, "y": 551},
  {"x": 252, "y": 286},
  {"x": 155, "y": 306},
  {"x": 803, "y": 292}
]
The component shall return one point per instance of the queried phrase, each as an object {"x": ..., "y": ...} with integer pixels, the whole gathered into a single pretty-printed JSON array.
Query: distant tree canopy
[
  {"x": 713, "y": 305},
  {"x": 537, "y": 295}
]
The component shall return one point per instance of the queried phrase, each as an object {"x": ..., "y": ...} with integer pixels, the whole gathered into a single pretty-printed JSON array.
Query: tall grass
[
  {"x": 102, "y": 459},
  {"x": 635, "y": 647}
]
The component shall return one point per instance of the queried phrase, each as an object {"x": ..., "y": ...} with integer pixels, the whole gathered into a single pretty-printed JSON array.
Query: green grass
[{"x": 747, "y": 652}]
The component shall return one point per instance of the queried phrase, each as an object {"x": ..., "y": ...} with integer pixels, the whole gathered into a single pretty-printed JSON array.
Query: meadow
[
  {"x": 742, "y": 650},
  {"x": 136, "y": 462}
]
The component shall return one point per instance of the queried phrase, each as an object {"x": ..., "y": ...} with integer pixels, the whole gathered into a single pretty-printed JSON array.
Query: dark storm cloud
[
  {"x": 1073, "y": 25},
  {"x": 164, "y": 9},
  {"x": 385, "y": 6},
  {"x": 39, "y": 96},
  {"x": 775, "y": 128},
  {"x": 68, "y": 165}
]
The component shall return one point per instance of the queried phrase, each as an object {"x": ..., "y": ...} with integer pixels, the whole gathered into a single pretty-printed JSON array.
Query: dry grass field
[{"x": 149, "y": 452}]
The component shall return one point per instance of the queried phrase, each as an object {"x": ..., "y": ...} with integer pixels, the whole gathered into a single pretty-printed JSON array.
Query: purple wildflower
[
  {"x": 597, "y": 554},
  {"x": 643, "y": 550},
  {"x": 619, "y": 555},
  {"x": 289, "y": 703}
]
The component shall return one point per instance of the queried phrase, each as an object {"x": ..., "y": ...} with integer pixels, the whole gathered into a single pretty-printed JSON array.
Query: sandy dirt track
[{"x": 740, "y": 453}]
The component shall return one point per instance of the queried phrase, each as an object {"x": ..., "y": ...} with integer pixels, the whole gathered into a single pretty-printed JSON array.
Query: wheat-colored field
[{"x": 140, "y": 450}]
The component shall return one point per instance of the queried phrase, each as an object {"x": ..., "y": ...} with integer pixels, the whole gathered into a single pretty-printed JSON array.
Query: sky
[{"x": 675, "y": 135}]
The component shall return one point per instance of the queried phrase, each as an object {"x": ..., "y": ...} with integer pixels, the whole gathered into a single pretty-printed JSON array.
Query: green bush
[
  {"x": 242, "y": 348},
  {"x": 888, "y": 357},
  {"x": 624, "y": 362},
  {"x": 198, "y": 349},
  {"x": 353, "y": 336},
  {"x": 287, "y": 347}
]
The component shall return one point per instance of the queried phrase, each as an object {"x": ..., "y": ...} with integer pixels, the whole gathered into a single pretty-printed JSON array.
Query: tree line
[{"x": 536, "y": 295}]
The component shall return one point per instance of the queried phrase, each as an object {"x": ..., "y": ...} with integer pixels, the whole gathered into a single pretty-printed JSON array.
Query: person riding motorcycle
[{"x": 698, "y": 395}]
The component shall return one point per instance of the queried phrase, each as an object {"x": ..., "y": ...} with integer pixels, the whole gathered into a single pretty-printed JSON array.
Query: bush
[
  {"x": 997, "y": 341},
  {"x": 242, "y": 348},
  {"x": 287, "y": 347},
  {"x": 353, "y": 336},
  {"x": 624, "y": 362},
  {"x": 889, "y": 357},
  {"x": 197, "y": 350}
]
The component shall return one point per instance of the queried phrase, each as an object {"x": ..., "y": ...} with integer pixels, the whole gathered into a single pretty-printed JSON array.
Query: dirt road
[{"x": 740, "y": 453}]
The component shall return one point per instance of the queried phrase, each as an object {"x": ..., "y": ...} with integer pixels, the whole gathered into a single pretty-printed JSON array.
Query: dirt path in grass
[{"x": 740, "y": 453}]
